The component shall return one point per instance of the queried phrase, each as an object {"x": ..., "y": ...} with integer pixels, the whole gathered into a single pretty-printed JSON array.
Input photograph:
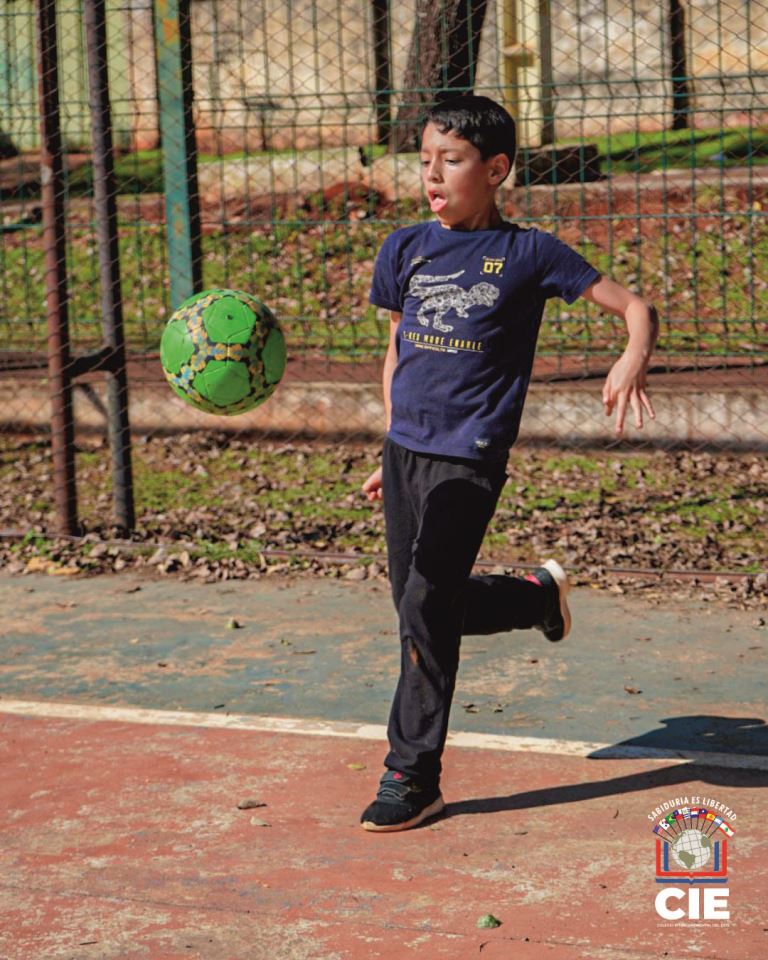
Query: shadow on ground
[{"x": 701, "y": 734}]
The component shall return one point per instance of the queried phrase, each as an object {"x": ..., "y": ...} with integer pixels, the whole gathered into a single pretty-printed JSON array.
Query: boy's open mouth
[{"x": 436, "y": 201}]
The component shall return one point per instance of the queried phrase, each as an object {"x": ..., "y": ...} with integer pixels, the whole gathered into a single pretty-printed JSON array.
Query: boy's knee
[
  {"x": 414, "y": 593},
  {"x": 421, "y": 599}
]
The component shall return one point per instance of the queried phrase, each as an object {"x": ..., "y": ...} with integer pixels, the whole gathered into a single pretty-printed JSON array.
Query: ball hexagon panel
[
  {"x": 176, "y": 347},
  {"x": 225, "y": 382},
  {"x": 230, "y": 321}
]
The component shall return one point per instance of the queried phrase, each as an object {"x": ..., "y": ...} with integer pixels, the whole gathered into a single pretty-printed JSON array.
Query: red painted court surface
[{"x": 122, "y": 837}]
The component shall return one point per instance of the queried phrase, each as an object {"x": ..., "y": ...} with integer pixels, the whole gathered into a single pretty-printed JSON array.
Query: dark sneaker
[
  {"x": 401, "y": 803},
  {"x": 556, "y": 623}
]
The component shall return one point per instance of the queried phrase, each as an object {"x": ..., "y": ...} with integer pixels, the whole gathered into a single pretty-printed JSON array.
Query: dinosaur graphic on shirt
[{"x": 438, "y": 294}]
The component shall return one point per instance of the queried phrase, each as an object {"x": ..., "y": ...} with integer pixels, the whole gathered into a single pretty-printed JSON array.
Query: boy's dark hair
[{"x": 480, "y": 120}]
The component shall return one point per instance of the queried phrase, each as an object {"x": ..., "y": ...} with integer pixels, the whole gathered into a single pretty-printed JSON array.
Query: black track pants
[{"x": 436, "y": 511}]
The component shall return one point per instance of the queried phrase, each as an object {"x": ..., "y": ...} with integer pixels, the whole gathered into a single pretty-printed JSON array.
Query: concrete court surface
[{"x": 135, "y": 717}]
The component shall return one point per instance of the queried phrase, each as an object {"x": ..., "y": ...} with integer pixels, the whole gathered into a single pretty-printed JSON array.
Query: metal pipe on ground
[{"x": 703, "y": 576}]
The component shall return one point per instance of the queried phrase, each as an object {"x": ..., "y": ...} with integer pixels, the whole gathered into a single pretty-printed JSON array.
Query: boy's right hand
[{"x": 372, "y": 486}]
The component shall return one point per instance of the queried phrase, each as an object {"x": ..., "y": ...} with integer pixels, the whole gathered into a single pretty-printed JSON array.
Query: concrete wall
[
  {"x": 612, "y": 74},
  {"x": 314, "y": 62},
  {"x": 19, "y": 114},
  {"x": 309, "y": 63},
  {"x": 727, "y": 415}
]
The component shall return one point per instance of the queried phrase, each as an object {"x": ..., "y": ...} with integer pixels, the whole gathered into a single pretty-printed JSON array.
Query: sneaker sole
[
  {"x": 437, "y": 806},
  {"x": 563, "y": 586}
]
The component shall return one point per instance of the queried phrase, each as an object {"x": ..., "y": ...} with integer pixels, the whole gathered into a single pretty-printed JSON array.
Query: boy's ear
[{"x": 498, "y": 168}]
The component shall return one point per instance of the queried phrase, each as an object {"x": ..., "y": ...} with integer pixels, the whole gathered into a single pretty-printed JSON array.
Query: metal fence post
[
  {"x": 177, "y": 131},
  {"x": 54, "y": 241},
  {"x": 109, "y": 262}
]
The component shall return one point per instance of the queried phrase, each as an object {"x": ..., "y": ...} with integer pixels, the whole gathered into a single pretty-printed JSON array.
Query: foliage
[{"x": 222, "y": 502}]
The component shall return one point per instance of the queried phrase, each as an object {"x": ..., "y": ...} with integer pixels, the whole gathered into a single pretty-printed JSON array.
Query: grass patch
[
  {"x": 135, "y": 173},
  {"x": 213, "y": 551},
  {"x": 160, "y": 492},
  {"x": 647, "y": 151}
]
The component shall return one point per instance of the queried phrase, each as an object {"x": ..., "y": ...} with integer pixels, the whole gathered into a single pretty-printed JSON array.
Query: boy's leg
[
  {"x": 400, "y": 802},
  {"x": 455, "y": 501},
  {"x": 436, "y": 512},
  {"x": 492, "y": 604},
  {"x": 496, "y": 604},
  {"x": 400, "y": 483}
]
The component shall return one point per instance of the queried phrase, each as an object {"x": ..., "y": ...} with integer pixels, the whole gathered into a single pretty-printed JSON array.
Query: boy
[{"x": 466, "y": 293}]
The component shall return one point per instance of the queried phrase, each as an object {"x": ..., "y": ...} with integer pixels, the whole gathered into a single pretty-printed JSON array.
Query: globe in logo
[{"x": 691, "y": 850}]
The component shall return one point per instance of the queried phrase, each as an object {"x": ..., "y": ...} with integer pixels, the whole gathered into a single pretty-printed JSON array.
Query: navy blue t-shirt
[{"x": 472, "y": 303}]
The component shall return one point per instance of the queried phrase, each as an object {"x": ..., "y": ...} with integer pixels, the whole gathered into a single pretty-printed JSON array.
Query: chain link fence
[{"x": 643, "y": 144}]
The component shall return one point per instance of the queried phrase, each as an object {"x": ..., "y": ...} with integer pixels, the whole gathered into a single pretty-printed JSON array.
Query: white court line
[{"x": 371, "y": 731}]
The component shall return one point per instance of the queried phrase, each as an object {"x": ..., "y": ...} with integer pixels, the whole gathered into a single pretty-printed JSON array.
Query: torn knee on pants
[{"x": 413, "y": 651}]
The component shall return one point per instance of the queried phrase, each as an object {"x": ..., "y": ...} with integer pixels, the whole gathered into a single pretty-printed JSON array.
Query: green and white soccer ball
[{"x": 223, "y": 351}]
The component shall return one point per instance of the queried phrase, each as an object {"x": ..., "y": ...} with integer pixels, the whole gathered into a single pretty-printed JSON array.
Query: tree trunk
[
  {"x": 442, "y": 56},
  {"x": 680, "y": 86}
]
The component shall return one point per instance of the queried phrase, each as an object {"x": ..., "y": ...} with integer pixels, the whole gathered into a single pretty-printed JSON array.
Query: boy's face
[{"x": 459, "y": 184}]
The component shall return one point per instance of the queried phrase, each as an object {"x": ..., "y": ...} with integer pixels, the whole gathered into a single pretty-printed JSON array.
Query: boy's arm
[
  {"x": 625, "y": 383},
  {"x": 372, "y": 486}
]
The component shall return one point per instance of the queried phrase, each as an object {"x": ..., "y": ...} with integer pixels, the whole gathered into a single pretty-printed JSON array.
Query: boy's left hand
[
  {"x": 372, "y": 486},
  {"x": 625, "y": 384},
  {"x": 625, "y": 387}
]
